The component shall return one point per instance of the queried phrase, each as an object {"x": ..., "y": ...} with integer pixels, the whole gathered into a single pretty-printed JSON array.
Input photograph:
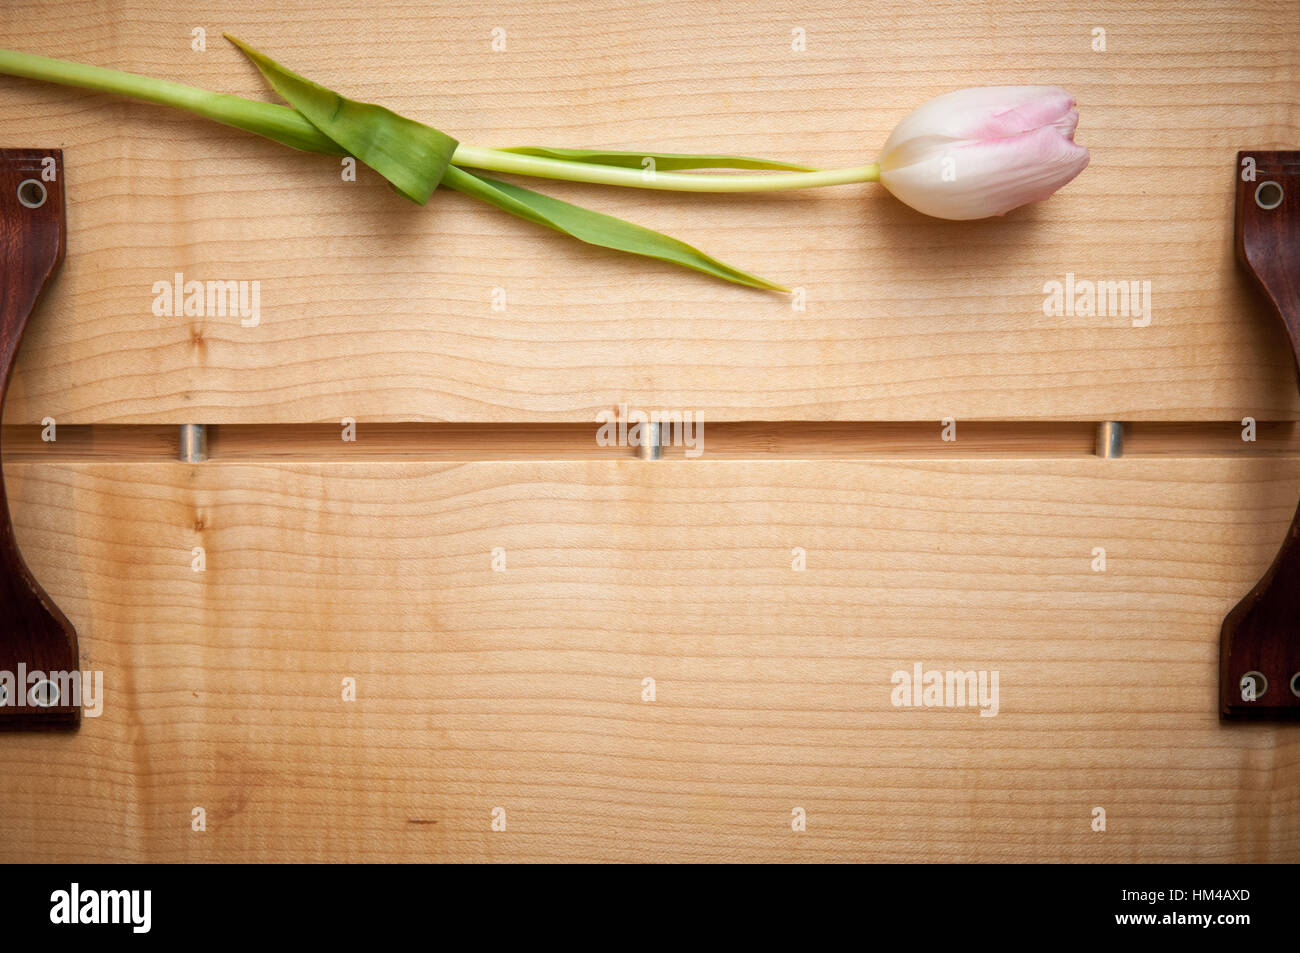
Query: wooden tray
[{"x": 522, "y": 690}]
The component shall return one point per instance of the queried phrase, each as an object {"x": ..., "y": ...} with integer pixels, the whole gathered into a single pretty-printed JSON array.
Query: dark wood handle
[
  {"x": 1259, "y": 646},
  {"x": 38, "y": 646}
]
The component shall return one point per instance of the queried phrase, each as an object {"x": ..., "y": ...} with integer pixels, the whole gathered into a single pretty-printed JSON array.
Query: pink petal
[{"x": 991, "y": 177}]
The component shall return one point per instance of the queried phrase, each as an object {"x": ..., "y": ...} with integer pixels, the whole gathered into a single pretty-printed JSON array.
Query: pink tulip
[
  {"x": 968, "y": 154},
  {"x": 983, "y": 151}
]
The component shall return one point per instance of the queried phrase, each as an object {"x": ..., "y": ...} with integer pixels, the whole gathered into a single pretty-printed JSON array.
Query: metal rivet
[
  {"x": 1261, "y": 684},
  {"x": 31, "y": 193},
  {"x": 44, "y": 694},
  {"x": 1268, "y": 195}
]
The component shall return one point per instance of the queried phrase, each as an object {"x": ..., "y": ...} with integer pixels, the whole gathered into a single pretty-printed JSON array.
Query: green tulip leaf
[
  {"x": 409, "y": 154},
  {"x": 596, "y": 228}
]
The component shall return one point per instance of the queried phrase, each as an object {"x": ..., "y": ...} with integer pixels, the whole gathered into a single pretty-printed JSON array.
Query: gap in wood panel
[{"x": 729, "y": 440}]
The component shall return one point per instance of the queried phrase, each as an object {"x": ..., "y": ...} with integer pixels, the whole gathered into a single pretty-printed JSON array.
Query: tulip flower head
[{"x": 979, "y": 152}]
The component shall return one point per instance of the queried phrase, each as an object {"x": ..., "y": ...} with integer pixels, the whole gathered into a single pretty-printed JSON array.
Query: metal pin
[
  {"x": 194, "y": 443},
  {"x": 1110, "y": 439},
  {"x": 651, "y": 446}
]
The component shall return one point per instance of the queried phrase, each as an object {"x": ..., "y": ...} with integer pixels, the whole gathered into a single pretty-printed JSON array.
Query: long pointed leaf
[
  {"x": 663, "y": 161},
  {"x": 409, "y": 154},
  {"x": 596, "y": 228}
]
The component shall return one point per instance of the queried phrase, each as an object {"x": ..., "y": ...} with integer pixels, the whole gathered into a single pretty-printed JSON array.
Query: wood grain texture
[
  {"x": 522, "y": 689},
  {"x": 376, "y": 309}
]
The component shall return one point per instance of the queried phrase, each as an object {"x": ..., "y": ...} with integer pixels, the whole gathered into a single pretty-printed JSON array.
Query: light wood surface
[
  {"x": 522, "y": 689},
  {"x": 375, "y": 309}
]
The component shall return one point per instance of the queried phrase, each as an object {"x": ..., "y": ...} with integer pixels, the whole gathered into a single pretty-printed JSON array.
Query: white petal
[{"x": 987, "y": 178}]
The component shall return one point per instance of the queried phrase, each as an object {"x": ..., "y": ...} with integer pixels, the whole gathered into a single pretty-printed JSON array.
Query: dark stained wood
[
  {"x": 1262, "y": 633},
  {"x": 35, "y": 637}
]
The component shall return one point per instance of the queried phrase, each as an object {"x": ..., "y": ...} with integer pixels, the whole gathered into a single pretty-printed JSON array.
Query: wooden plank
[
  {"x": 522, "y": 689},
  {"x": 381, "y": 311}
]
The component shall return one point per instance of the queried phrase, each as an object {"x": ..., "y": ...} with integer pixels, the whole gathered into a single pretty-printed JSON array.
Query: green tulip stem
[
  {"x": 495, "y": 160},
  {"x": 288, "y": 126}
]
